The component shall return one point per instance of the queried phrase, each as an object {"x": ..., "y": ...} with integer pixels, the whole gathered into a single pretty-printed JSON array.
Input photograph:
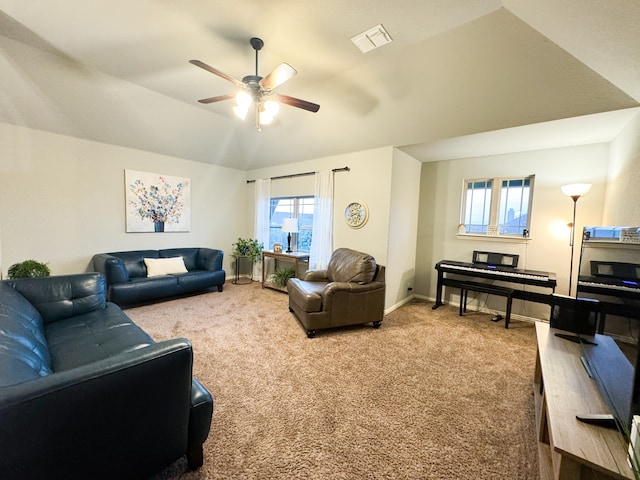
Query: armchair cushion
[
  {"x": 347, "y": 265},
  {"x": 307, "y": 295}
]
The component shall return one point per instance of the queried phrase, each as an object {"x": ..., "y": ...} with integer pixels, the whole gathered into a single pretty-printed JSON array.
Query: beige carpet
[{"x": 429, "y": 395}]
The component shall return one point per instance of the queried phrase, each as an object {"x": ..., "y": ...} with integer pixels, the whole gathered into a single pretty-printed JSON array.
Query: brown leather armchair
[{"x": 349, "y": 292}]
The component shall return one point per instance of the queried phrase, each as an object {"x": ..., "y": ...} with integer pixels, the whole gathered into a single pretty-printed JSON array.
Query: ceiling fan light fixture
[
  {"x": 271, "y": 107},
  {"x": 243, "y": 99},
  {"x": 241, "y": 111},
  {"x": 265, "y": 118}
]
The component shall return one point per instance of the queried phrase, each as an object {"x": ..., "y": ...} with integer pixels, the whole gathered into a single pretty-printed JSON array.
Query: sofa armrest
[
  {"x": 63, "y": 296},
  {"x": 210, "y": 259},
  {"x": 133, "y": 407},
  {"x": 334, "y": 288},
  {"x": 113, "y": 268},
  {"x": 315, "y": 276}
]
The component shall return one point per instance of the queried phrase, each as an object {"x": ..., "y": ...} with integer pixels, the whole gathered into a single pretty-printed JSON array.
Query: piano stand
[{"x": 491, "y": 290}]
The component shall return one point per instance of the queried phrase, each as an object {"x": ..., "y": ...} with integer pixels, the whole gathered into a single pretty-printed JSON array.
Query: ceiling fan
[{"x": 258, "y": 90}]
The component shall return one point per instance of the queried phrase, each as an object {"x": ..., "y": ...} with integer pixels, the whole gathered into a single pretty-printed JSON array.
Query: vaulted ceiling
[{"x": 117, "y": 71}]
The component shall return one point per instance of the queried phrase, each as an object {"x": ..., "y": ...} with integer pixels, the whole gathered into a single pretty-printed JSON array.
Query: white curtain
[
  {"x": 321, "y": 241},
  {"x": 261, "y": 225}
]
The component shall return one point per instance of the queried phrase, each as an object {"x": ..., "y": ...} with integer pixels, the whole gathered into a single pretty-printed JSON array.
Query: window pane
[
  {"x": 305, "y": 223},
  {"x": 276, "y": 235},
  {"x": 296, "y": 207},
  {"x": 281, "y": 208},
  {"x": 304, "y": 241},
  {"x": 513, "y": 216},
  {"x": 477, "y": 206},
  {"x": 305, "y": 212}
]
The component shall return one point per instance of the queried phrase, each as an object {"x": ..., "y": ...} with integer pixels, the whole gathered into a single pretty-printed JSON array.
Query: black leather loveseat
[
  {"x": 85, "y": 393},
  {"x": 128, "y": 282}
]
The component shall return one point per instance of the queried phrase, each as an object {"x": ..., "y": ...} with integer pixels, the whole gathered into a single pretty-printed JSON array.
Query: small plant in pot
[
  {"x": 248, "y": 247},
  {"x": 282, "y": 275},
  {"x": 28, "y": 269}
]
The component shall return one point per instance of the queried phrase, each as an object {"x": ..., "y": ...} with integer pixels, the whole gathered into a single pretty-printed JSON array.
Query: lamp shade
[
  {"x": 290, "y": 225},
  {"x": 575, "y": 189}
]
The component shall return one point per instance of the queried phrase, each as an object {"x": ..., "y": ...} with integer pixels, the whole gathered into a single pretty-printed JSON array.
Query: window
[
  {"x": 504, "y": 211},
  {"x": 477, "y": 206},
  {"x": 296, "y": 207}
]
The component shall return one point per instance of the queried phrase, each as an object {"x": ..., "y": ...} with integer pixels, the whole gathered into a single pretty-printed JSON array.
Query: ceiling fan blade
[
  {"x": 219, "y": 98},
  {"x": 296, "y": 102},
  {"x": 278, "y": 76},
  {"x": 215, "y": 71}
]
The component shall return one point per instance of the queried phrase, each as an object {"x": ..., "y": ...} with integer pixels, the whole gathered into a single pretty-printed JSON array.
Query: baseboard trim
[{"x": 402, "y": 302}]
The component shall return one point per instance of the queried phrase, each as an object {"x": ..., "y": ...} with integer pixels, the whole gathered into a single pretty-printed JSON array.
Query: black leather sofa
[
  {"x": 128, "y": 283},
  {"x": 86, "y": 393}
]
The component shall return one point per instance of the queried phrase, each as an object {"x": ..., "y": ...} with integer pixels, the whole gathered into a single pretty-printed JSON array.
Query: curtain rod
[{"x": 343, "y": 169}]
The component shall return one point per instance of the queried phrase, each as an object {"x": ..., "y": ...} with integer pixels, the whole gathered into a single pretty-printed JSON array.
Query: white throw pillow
[{"x": 157, "y": 267}]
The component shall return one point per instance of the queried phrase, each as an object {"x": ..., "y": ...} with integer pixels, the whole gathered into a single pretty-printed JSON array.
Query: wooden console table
[
  {"x": 568, "y": 448},
  {"x": 271, "y": 259}
]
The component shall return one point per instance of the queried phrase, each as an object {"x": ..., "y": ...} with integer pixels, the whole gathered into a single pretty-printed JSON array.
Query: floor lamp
[
  {"x": 289, "y": 226},
  {"x": 575, "y": 191}
]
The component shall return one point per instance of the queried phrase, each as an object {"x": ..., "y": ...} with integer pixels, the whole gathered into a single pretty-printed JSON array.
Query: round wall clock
[{"x": 356, "y": 214}]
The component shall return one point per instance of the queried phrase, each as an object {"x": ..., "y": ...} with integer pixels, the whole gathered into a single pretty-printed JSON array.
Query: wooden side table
[{"x": 271, "y": 260}]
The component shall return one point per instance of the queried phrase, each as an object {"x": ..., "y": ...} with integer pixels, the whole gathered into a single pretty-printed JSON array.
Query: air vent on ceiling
[{"x": 372, "y": 38}]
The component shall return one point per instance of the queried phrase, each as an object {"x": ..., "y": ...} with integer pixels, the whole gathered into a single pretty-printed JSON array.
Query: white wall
[
  {"x": 403, "y": 226},
  {"x": 63, "y": 200},
  {"x": 368, "y": 180},
  {"x": 622, "y": 201},
  {"x": 548, "y": 248}
]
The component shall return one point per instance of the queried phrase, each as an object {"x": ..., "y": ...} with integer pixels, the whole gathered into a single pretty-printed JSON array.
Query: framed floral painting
[{"x": 157, "y": 203}]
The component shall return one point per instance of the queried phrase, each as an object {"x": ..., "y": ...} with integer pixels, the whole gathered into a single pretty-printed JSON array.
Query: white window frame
[
  {"x": 493, "y": 227},
  {"x": 297, "y": 204}
]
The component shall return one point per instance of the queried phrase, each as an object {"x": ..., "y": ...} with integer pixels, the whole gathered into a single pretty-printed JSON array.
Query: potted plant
[
  {"x": 282, "y": 275},
  {"x": 248, "y": 247},
  {"x": 28, "y": 269}
]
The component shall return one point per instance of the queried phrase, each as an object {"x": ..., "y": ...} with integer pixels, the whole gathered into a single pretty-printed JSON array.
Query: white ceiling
[
  {"x": 566, "y": 132},
  {"x": 117, "y": 71}
]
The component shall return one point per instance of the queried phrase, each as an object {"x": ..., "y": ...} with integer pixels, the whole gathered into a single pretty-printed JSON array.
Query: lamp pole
[
  {"x": 575, "y": 191},
  {"x": 572, "y": 238}
]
